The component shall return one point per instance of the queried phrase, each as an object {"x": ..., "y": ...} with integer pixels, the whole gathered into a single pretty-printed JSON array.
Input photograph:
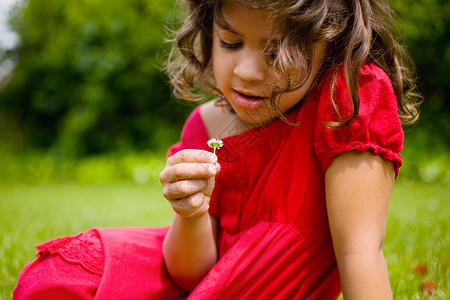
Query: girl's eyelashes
[
  {"x": 271, "y": 56},
  {"x": 230, "y": 46}
]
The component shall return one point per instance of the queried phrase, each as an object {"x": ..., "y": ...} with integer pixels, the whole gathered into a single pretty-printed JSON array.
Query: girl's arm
[
  {"x": 189, "y": 248},
  {"x": 358, "y": 189}
]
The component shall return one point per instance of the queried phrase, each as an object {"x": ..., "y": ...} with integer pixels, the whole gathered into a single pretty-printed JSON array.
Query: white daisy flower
[{"x": 215, "y": 144}]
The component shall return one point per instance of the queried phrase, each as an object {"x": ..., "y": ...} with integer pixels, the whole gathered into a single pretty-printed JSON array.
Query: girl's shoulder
[
  {"x": 206, "y": 121},
  {"x": 376, "y": 128},
  {"x": 375, "y": 90},
  {"x": 369, "y": 74}
]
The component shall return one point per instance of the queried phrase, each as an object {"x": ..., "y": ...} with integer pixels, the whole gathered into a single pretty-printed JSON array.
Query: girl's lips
[{"x": 248, "y": 102}]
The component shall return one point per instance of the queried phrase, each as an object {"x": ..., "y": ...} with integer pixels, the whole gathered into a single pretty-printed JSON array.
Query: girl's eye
[
  {"x": 272, "y": 56},
  {"x": 233, "y": 46}
]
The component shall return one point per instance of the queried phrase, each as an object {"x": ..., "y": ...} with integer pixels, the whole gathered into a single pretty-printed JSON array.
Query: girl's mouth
[
  {"x": 250, "y": 97},
  {"x": 249, "y": 102}
]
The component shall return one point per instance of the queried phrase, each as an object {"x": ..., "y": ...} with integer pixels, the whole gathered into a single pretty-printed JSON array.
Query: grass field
[{"x": 416, "y": 246}]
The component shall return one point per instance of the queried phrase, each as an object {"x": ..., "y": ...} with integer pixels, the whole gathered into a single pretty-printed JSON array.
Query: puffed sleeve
[
  {"x": 193, "y": 135},
  {"x": 376, "y": 129}
]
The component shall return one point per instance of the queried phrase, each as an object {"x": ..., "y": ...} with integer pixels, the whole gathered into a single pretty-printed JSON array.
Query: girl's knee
[{"x": 54, "y": 278}]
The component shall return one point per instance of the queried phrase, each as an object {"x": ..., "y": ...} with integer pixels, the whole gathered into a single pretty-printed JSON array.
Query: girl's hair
[{"x": 355, "y": 31}]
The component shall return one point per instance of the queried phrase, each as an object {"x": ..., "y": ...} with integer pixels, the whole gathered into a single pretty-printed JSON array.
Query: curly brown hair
[{"x": 355, "y": 31}]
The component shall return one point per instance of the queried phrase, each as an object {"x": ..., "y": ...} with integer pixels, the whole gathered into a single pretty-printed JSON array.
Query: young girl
[{"x": 309, "y": 101}]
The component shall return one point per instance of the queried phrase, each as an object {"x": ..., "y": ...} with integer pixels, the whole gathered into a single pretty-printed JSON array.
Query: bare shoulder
[{"x": 220, "y": 121}]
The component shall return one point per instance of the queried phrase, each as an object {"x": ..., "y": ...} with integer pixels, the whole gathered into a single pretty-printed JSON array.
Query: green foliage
[
  {"x": 425, "y": 159},
  {"x": 87, "y": 77},
  {"x": 425, "y": 26},
  {"x": 45, "y": 168}
]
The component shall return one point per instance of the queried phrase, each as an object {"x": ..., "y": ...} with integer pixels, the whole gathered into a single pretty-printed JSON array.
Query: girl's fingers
[
  {"x": 218, "y": 167},
  {"x": 188, "y": 171},
  {"x": 207, "y": 191},
  {"x": 183, "y": 188},
  {"x": 188, "y": 181},
  {"x": 192, "y": 156},
  {"x": 194, "y": 205}
]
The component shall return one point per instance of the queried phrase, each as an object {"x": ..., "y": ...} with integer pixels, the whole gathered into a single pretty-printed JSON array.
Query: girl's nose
[{"x": 251, "y": 67}]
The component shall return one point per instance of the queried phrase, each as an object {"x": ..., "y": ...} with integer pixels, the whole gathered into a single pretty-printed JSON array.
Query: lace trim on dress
[{"x": 78, "y": 249}]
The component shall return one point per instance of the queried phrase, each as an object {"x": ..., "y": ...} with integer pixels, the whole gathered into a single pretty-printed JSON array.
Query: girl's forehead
[{"x": 232, "y": 14}]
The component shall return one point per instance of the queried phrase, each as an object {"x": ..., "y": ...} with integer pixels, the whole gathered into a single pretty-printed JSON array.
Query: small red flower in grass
[
  {"x": 420, "y": 269},
  {"x": 428, "y": 287}
]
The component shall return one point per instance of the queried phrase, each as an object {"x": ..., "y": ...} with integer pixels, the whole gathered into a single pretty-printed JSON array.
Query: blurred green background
[
  {"x": 87, "y": 78},
  {"x": 87, "y": 81},
  {"x": 86, "y": 116}
]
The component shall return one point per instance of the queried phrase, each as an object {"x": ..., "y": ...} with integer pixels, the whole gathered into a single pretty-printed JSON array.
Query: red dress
[{"x": 274, "y": 239}]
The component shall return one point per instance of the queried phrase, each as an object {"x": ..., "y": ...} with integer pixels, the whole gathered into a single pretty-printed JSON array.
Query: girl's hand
[{"x": 188, "y": 181}]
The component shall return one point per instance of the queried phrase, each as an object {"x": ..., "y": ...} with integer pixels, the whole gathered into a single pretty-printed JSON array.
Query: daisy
[{"x": 215, "y": 144}]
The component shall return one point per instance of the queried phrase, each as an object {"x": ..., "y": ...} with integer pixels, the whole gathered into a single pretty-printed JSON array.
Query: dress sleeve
[
  {"x": 193, "y": 135},
  {"x": 376, "y": 129}
]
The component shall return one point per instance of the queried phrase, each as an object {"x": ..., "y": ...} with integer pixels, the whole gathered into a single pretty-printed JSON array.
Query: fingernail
[{"x": 212, "y": 169}]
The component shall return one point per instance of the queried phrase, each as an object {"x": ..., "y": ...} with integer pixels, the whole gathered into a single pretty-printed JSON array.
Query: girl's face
[{"x": 240, "y": 67}]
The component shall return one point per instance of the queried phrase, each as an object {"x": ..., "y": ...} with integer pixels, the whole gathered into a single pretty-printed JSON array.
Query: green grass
[
  {"x": 418, "y": 232},
  {"x": 418, "y": 226},
  {"x": 32, "y": 214}
]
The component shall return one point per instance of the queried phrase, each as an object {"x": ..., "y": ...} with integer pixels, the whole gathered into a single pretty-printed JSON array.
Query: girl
[{"x": 309, "y": 100}]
